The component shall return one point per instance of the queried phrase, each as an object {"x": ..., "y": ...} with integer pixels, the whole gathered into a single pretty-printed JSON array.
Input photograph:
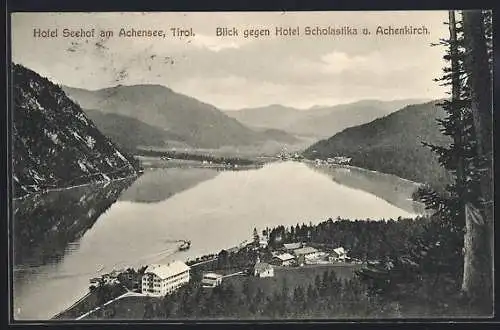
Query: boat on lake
[{"x": 185, "y": 246}]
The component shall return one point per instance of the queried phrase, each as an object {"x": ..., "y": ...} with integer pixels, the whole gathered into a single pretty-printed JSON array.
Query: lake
[{"x": 64, "y": 238}]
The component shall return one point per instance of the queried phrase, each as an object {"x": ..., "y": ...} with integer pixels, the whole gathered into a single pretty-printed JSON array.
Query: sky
[{"x": 235, "y": 72}]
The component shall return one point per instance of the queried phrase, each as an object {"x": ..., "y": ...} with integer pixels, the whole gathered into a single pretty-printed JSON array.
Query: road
[
  {"x": 233, "y": 274},
  {"x": 126, "y": 294},
  {"x": 203, "y": 262}
]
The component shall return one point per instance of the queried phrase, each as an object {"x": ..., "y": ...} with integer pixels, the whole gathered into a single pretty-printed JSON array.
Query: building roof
[
  {"x": 285, "y": 257},
  {"x": 305, "y": 250},
  {"x": 213, "y": 275},
  {"x": 262, "y": 267},
  {"x": 292, "y": 246},
  {"x": 339, "y": 251},
  {"x": 233, "y": 249},
  {"x": 167, "y": 270}
]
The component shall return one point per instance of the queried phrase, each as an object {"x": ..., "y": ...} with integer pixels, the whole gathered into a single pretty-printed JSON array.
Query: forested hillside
[{"x": 392, "y": 144}]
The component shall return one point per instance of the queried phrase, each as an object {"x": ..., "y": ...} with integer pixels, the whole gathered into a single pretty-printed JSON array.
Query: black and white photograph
[{"x": 251, "y": 166}]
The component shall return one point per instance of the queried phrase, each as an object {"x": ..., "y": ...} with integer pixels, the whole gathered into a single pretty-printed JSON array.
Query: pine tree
[
  {"x": 255, "y": 235},
  {"x": 478, "y": 271},
  {"x": 450, "y": 205},
  {"x": 460, "y": 158},
  {"x": 468, "y": 158}
]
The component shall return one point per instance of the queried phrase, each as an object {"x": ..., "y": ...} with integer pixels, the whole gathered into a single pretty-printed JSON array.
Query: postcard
[{"x": 251, "y": 166}]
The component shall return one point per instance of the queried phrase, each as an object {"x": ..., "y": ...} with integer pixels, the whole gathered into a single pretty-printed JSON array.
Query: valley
[{"x": 144, "y": 153}]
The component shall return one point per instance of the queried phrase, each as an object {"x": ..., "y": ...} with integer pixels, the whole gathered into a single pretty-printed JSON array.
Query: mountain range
[
  {"x": 58, "y": 142},
  {"x": 54, "y": 143},
  {"x": 318, "y": 121},
  {"x": 393, "y": 144},
  {"x": 130, "y": 133},
  {"x": 168, "y": 116}
]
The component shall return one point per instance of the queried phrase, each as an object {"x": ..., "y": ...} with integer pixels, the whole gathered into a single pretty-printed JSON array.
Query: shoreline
[
  {"x": 153, "y": 162},
  {"x": 365, "y": 170},
  {"x": 234, "y": 247},
  {"x": 418, "y": 184},
  {"x": 33, "y": 194},
  {"x": 79, "y": 301}
]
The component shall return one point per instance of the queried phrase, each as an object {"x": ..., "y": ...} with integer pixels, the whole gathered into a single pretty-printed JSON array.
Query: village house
[
  {"x": 263, "y": 244},
  {"x": 263, "y": 269},
  {"x": 95, "y": 282},
  {"x": 338, "y": 254},
  {"x": 111, "y": 278},
  {"x": 160, "y": 280},
  {"x": 307, "y": 252},
  {"x": 211, "y": 280},
  {"x": 341, "y": 160},
  {"x": 233, "y": 250},
  {"x": 285, "y": 259},
  {"x": 292, "y": 246}
]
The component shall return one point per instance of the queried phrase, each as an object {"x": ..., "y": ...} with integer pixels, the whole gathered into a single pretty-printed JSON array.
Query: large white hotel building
[{"x": 160, "y": 280}]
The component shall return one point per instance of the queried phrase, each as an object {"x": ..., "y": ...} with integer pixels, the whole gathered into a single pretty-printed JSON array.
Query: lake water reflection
[{"x": 82, "y": 232}]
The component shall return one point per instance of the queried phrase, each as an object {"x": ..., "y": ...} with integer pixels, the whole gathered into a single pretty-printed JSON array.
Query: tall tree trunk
[
  {"x": 457, "y": 110},
  {"x": 478, "y": 261}
]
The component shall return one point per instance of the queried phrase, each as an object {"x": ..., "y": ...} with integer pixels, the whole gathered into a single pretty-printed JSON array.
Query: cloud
[
  {"x": 237, "y": 72},
  {"x": 214, "y": 44},
  {"x": 336, "y": 62}
]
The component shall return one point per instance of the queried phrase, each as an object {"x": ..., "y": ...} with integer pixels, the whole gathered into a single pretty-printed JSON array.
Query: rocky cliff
[{"x": 55, "y": 145}]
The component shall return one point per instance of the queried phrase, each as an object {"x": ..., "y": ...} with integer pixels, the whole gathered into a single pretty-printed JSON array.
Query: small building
[
  {"x": 340, "y": 160},
  {"x": 111, "y": 278},
  {"x": 211, "y": 280},
  {"x": 263, "y": 269},
  {"x": 292, "y": 246},
  {"x": 233, "y": 250},
  {"x": 95, "y": 282},
  {"x": 115, "y": 272},
  {"x": 338, "y": 254},
  {"x": 263, "y": 244},
  {"x": 308, "y": 252},
  {"x": 160, "y": 280},
  {"x": 285, "y": 259}
]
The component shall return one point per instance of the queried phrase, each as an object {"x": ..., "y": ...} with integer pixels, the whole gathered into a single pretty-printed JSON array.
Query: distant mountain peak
[
  {"x": 319, "y": 121},
  {"x": 195, "y": 123}
]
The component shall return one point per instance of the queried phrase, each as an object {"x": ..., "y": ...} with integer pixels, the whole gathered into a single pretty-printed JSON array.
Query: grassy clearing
[
  {"x": 291, "y": 277},
  {"x": 127, "y": 308}
]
